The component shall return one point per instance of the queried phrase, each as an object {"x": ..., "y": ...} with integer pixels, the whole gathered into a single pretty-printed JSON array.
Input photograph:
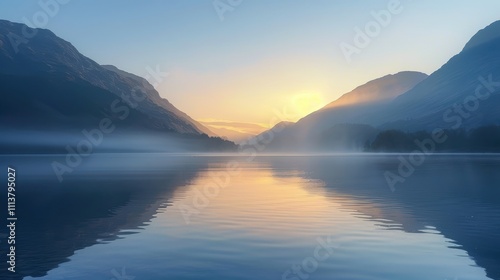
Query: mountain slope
[
  {"x": 463, "y": 93},
  {"x": 382, "y": 89},
  {"x": 50, "y": 58},
  {"x": 317, "y": 129},
  {"x": 155, "y": 97},
  {"x": 354, "y": 106},
  {"x": 431, "y": 103}
]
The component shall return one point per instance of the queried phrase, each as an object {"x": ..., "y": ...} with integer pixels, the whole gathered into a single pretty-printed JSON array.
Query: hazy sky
[{"x": 264, "y": 56}]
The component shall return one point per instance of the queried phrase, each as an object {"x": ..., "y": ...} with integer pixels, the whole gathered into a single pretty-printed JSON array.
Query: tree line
[{"x": 481, "y": 139}]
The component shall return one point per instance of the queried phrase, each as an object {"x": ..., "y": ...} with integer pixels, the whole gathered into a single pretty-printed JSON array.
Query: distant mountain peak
[
  {"x": 385, "y": 88},
  {"x": 484, "y": 35},
  {"x": 283, "y": 124}
]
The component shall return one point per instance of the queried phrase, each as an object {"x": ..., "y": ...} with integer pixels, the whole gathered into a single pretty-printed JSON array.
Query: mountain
[
  {"x": 271, "y": 137},
  {"x": 484, "y": 35},
  {"x": 46, "y": 55},
  {"x": 232, "y": 135},
  {"x": 379, "y": 90},
  {"x": 162, "y": 102},
  {"x": 463, "y": 93},
  {"x": 237, "y": 132},
  {"x": 354, "y": 106},
  {"x": 47, "y": 85},
  {"x": 316, "y": 130}
]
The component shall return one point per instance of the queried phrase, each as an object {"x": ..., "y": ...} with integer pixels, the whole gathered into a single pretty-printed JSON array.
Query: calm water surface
[{"x": 123, "y": 216}]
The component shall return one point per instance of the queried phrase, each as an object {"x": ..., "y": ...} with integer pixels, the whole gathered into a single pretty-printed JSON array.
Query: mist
[{"x": 13, "y": 141}]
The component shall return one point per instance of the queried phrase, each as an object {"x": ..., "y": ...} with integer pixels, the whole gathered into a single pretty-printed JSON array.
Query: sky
[{"x": 260, "y": 61}]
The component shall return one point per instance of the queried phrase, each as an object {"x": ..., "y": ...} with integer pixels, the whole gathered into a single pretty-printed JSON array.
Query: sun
[{"x": 305, "y": 103}]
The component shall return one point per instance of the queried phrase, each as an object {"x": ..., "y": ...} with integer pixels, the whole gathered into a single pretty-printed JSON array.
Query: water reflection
[
  {"x": 100, "y": 201},
  {"x": 459, "y": 196},
  {"x": 441, "y": 224}
]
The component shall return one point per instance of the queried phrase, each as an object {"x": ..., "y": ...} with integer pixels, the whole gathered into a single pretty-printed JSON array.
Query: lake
[{"x": 158, "y": 216}]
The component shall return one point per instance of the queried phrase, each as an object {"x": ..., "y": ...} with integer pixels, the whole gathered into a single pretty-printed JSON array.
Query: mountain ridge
[
  {"x": 48, "y": 86},
  {"x": 368, "y": 89},
  {"x": 47, "y": 55},
  {"x": 428, "y": 104}
]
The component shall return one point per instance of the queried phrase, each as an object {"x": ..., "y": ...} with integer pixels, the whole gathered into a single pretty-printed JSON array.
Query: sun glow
[{"x": 305, "y": 103}]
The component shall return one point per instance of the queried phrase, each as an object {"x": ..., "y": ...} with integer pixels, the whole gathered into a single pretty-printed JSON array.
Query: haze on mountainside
[
  {"x": 47, "y": 85},
  {"x": 408, "y": 101},
  {"x": 67, "y": 92}
]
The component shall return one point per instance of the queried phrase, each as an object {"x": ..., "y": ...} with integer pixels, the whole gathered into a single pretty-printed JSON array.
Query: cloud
[{"x": 235, "y": 131}]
